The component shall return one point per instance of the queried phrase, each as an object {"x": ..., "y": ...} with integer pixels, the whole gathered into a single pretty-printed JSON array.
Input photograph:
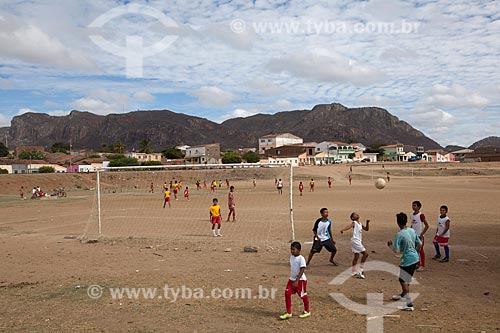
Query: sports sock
[
  {"x": 436, "y": 246},
  {"x": 447, "y": 252}
]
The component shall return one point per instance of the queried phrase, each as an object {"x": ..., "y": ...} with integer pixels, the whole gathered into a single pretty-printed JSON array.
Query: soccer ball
[{"x": 380, "y": 183}]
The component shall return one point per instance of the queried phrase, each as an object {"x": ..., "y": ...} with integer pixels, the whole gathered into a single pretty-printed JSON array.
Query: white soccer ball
[{"x": 380, "y": 183}]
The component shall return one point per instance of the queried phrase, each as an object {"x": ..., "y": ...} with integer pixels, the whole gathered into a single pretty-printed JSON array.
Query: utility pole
[{"x": 70, "y": 157}]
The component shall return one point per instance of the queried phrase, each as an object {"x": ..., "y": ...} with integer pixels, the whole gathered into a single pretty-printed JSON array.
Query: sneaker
[
  {"x": 444, "y": 260},
  {"x": 436, "y": 257},
  {"x": 305, "y": 314},
  {"x": 420, "y": 269},
  {"x": 355, "y": 274},
  {"x": 286, "y": 316},
  {"x": 397, "y": 297},
  {"x": 219, "y": 235},
  {"x": 361, "y": 275},
  {"x": 406, "y": 307}
]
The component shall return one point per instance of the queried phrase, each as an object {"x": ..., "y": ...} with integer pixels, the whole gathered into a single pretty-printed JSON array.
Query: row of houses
[
  {"x": 287, "y": 148},
  {"x": 275, "y": 149}
]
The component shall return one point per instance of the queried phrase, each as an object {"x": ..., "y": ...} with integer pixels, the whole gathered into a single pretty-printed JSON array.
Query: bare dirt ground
[{"x": 46, "y": 272}]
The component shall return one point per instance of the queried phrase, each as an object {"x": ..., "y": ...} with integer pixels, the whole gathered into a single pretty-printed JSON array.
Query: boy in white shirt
[
  {"x": 297, "y": 282},
  {"x": 420, "y": 225},
  {"x": 442, "y": 234},
  {"x": 356, "y": 244}
]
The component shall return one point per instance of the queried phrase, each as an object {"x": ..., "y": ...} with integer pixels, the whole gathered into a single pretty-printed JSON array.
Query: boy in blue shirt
[{"x": 408, "y": 244}]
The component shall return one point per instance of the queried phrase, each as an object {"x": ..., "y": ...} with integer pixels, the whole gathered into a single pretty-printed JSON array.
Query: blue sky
[{"x": 433, "y": 64}]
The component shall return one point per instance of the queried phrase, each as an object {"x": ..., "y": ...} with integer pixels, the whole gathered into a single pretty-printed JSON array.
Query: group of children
[{"x": 409, "y": 243}]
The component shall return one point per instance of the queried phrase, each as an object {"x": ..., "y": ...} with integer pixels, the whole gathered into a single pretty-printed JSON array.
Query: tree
[
  {"x": 251, "y": 157},
  {"x": 46, "y": 169},
  {"x": 375, "y": 148},
  {"x": 172, "y": 153},
  {"x": 120, "y": 160},
  {"x": 231, "y": 157},
  {"x": 119, "y": 147},
  {"x": 4, "y": 171},
  {"x": 4, "y": 151},
  {"x": 59, "y": 147},
  {"x": 145, "y": 146},
  {"x": 106, "y": 149},
  {"x": 32, "y": 155}
]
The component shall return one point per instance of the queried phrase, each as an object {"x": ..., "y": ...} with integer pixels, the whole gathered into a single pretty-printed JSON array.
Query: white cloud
[
  {"x": 143, "y": 96},
  {"x": 28, "y": 43},
  {"x": 4, "y": 121},
  {"x": 25, "y": 110},
  {"x": 238, "y": 113},
  {"x": 213, "y": 96},
  {"x": 265, "y": 86},
  {"x": 380, "y": 101},
  {"x": 333, "y": 67},
  {"x": 454, "y": 96},
  {"x": 448, "y": 65},
  {"x": 59, "y": 113},
  {"x": 283, "y": 105}
]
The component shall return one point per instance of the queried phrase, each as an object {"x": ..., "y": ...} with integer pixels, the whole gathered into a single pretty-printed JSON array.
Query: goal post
[{"x": 130, "y": 201}]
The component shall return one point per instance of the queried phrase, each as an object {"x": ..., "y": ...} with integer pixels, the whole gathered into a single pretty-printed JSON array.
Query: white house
[
  {"x": 203, "y": 154},
  {"x": 277, "y": 140},
  {"x": 143, "y": 157}
]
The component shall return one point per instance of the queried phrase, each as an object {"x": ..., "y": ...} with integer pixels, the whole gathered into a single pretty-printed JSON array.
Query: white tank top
[
  {"x": 357, "y": 231},
  {"x": 416, "y": 222},
  {"x": 442, "y": 226}
]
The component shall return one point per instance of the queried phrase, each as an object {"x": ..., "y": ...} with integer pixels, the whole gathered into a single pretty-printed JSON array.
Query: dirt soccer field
[{"x": 54, "y": 277}]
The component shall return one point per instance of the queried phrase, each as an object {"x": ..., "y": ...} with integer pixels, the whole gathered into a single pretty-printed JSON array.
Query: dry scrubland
[{"x": 45, "y": 270}]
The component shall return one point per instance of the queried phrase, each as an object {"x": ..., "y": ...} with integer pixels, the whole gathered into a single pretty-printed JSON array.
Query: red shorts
[
  {"x": 231, "y": 206},
  {"x": 167, "y": 199},
  {"x": 186, "y": 195},
  {"x": 301, "y": 289},
  {"x": 215, "y": 219},
  {"x": 442, "y": 241}
]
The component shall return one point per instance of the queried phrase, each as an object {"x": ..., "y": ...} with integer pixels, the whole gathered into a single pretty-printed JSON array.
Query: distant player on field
[
  {"x": 280, "y": 186},
  {"x": 311, "y": 185},
  {"x": 166, "y": 194},
  {"x": 151, "y": 188},
  {"x": 231, "y": 204},
  {"x": 301, "y": 188},
  {"x": 186, "y": 193},
  {"x": 329, "y": 182},
  {"x": 215, "y": 217}
]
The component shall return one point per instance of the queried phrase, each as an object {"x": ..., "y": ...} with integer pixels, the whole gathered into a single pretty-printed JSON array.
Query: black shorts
[
  {"x": 406, "y": 272},
  {"x": 318, "y": 245}
]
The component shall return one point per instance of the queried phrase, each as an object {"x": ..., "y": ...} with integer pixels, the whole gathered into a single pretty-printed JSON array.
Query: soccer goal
[{"x": 130, "y": 202}]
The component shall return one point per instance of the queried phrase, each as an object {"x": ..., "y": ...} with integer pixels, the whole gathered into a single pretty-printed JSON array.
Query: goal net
[{"x": 130, "y": 203}]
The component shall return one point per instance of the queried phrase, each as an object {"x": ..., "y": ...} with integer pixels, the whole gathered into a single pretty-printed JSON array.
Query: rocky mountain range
[{"x": 332, "y": 122}]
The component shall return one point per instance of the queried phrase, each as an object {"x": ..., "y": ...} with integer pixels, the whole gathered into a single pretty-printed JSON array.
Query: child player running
[
  {"x": 442, "y": 235},
  {"x": 323, "y": 237},
  {"x": 357, "y": 245},
  {"x": 297, "y": 282},
  {"x": 420, "y": 225},
  {"x": 215, "y": 217}
]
